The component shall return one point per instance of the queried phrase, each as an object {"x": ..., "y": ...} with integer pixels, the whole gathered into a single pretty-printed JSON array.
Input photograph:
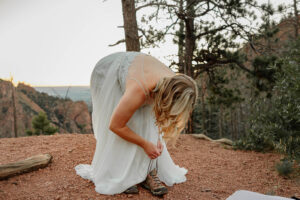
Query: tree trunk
[
  {"x": 189, "y": 43},
  {"x": 235, "y": 122},
  {"x": 190, "y": 40},
  {"x": 296, "y": 19},
  {"x": 190, "y": 124},
  {"x": 181, "y": 68},
  {"x": 130, "y": 26},
  {"x": 221, "y": 122},
  {"x": 203, "y": 90},
  {"x": 231, "y": 124},
  {"x": 242, "y": 124},
  {"x": 14, "y": 108},
  {"x": 209, "y": 118}
]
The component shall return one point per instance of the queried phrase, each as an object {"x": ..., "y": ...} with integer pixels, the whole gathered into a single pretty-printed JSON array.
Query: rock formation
[{"x": 67, "y": 115}]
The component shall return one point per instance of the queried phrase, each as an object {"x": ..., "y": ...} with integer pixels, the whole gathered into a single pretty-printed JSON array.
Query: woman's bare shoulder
[
  {"x": 150, "y": 64},
  {"x": 155, "y": 69}
]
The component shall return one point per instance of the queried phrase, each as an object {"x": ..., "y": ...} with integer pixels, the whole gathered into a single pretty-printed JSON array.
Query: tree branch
[
  {"x": 154, "y": 4},
  {"x": 208, "y": 66},
  {"x": 118, "y": 42},
  {"x": 212, "y": 31}
]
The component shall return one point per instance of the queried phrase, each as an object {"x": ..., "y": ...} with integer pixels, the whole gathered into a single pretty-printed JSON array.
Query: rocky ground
[{"x": 213, "y": 171}]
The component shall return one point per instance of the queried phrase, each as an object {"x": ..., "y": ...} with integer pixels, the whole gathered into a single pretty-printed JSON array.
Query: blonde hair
[{"x": 174, "y": 99}]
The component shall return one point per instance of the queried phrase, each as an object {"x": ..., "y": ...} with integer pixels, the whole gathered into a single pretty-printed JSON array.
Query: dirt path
[{"x": 213, "y": 172}]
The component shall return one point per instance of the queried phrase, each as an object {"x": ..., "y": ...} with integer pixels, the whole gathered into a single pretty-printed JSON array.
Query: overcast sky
[{"x": 58, "y": 42}]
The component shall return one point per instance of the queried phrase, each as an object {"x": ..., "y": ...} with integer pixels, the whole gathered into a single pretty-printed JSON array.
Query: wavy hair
[{"x": 174, "y": 99}]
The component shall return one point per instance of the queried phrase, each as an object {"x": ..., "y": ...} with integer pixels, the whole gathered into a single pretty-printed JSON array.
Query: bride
[{"x": 139, "y": 105}]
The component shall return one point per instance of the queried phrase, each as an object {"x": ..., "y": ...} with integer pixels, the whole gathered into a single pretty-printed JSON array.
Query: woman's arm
[{"x": 132, "y": 99}]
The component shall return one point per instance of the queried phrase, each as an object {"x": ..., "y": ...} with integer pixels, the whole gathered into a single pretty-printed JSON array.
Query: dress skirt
[{"x": 118, "y": 164}]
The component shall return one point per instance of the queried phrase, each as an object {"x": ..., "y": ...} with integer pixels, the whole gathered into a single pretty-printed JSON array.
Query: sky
[{"x": 58, "y": 42}]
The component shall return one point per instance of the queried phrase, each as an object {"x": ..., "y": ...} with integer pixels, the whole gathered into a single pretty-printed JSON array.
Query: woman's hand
[
  {"x": 151, "y": 150},
  {"x": 160, "y": 146}
]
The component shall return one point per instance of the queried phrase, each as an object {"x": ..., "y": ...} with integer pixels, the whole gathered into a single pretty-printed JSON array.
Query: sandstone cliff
[{"x": 67, "y": 115}]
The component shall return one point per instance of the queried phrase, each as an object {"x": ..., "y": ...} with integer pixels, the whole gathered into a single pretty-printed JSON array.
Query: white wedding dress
[{"x": 118, "y": 164}]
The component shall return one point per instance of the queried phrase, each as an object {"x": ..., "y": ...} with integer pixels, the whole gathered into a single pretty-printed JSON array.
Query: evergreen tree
[
  {"x": 208, "y": 33},
  {"x": 41, "y": 125}
]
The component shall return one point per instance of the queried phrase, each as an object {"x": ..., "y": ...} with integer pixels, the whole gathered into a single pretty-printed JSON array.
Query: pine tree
[
  {"x": 207, "y": 32},
  {"x": 41, "y": 125}
]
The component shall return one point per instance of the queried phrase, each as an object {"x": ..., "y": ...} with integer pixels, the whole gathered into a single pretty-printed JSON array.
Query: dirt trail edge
[{"x": 213, "y": 171}]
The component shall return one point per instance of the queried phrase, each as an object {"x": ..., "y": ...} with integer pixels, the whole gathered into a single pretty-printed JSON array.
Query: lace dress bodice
[{"x": 134, "y": 71}]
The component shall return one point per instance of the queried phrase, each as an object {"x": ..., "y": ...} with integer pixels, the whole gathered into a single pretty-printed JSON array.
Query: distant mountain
[
  {"x": 65, "y": 114},
  {"x": 75, "y": 93}
]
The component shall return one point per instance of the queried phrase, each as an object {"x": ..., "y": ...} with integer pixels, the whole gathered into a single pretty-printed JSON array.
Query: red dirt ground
[{"x": 213, "y": 171}]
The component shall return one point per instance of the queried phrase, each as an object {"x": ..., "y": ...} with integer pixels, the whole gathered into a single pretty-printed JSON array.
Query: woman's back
[{"x": 146, "y": 71}]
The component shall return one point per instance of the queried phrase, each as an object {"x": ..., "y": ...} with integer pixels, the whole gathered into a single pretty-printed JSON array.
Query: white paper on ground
[{"x": 248, "y": 195}]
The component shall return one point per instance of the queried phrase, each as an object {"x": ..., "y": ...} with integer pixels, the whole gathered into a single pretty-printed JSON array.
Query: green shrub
[
  {"x": 284, "y": 168},
  {"x": 29, "y": 132},
  {"x": 275, "y": 122},
  {"x": 41, "y": 125}
]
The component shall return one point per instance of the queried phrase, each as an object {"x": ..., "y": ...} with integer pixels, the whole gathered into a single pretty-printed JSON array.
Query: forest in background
[{"x": 246, "y": 65}]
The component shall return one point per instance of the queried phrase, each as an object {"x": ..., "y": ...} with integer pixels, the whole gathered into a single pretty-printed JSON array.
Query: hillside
[
  {"x": 75, "y": 93},
  {"x": 261, "y": 47},
  {"x": 213, "y": 172},
  {"x": 285, "y": 33},
  {"x": 67, "y": 115}
]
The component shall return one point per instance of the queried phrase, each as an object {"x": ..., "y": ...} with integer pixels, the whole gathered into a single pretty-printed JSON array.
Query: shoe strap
[{"x": 151, "y": 163}]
